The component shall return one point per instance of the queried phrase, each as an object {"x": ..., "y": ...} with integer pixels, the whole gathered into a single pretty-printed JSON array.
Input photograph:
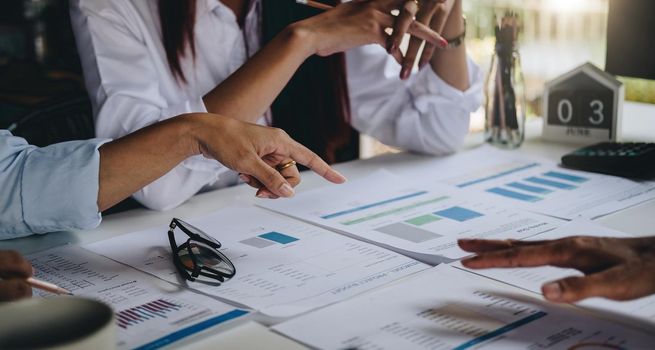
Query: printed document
[
  {"x": 538, "y": 185},
  {"x": 640, "y": 312},
  {"x": 446, "y": 308},
  {"x": 150, "y": 313},
  {"x": 283, "y": 266},
  {"x": 417, "y": 220}
]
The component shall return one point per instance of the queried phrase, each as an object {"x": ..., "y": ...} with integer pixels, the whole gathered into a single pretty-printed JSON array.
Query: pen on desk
[
  {"x": 48, "y": 287},
  {"x": 314, "y": 4},
  {"x": 417, "y": 26}
]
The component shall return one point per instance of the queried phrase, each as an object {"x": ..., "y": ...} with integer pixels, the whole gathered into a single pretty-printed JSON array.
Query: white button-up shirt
[
  {"x": 131, "y": 86},
  {"x": 47, "y": 189}
]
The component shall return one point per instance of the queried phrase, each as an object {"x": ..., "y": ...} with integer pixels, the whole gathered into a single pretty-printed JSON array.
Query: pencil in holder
[{"x": 505, "y": 88}]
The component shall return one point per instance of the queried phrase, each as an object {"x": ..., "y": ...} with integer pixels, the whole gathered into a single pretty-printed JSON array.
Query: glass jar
[{"x": 505, "y": 98}]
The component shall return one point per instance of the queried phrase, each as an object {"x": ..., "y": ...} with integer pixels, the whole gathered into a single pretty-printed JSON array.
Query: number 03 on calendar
[{"x": 583, "y": 106}]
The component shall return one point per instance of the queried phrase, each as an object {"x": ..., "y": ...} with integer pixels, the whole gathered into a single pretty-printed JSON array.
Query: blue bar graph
[
  {"x": 568, "y": 177},
  {"x": 551, "y": 183},
  {"x": 500, "y": 331},
  {"x": 514, "y": 195},
  {"x": 498, "y": 175},
  {"x": 376, "y": 204},
  {"x": 196, "y": 328},
  {"x": 529, "y": 188},
  {"x": 278, "y": 237},
  {"x": 459, "y": 214}
]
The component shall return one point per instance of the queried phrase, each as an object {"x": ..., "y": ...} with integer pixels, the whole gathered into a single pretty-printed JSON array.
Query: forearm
[
  {"x": 134, "y": 161},
  {"x": 248, "y": 93},
  {"x": 451, "y": 64}
]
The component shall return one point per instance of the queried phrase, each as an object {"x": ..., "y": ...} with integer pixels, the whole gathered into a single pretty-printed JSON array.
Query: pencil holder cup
[{"x": 505, "y": 96}]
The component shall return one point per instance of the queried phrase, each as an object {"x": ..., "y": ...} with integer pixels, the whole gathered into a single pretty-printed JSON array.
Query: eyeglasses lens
[
  {"x": 205, "y": 257},
  {"x": 198, "y": 231}
]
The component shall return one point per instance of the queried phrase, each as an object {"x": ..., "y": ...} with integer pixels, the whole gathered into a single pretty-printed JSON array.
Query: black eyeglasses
[{"x": 198, "y": 259}]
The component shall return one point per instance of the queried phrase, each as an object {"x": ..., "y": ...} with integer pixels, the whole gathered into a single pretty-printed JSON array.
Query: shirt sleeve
[
  {"x": 424, "y": 114},
  {"x": 123, "y": 83},
  {"x": 48, "y": 189}
]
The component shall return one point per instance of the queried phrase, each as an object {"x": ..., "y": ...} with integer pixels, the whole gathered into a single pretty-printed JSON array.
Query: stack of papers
[
  {"x": 447, "y": 308},
  {"x": 150, "y": 313},
  {"x": 284, "y": 267},
  {"x": 419, "y": 220},
  {"x": 349, "y": 266},
  {"x": 639, "y": 312},
  {"x": 537, "y": 184}
]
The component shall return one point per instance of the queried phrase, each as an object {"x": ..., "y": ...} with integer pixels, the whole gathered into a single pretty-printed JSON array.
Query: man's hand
[
  {"x": 14, "y": 269},
  {"x": 614, "y": 268}
]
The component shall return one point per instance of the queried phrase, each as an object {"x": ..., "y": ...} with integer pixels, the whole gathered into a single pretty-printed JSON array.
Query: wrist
[
  {"x": 300, "y": 37},
  {"x": 455, "y": 24},
  {"x": 193, "y": 129}
]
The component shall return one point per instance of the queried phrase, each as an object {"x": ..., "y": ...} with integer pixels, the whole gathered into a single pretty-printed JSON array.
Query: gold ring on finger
[{"x": 285, "y": 165}]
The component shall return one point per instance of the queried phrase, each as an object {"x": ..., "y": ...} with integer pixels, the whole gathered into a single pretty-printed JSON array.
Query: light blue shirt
[{"x": 47, "y": 189}]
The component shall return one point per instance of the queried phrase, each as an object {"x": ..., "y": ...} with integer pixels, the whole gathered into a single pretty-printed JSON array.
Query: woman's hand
[
  {"x": 434, "y": 13},
  {"x": 614, "y": 268},
  {"x": 358, "y": 23},
  {"x": 287, "y": 169},
  {"x": 14, "y": 270},
  {"x": 132, "y": 162},
  {"x": 348, "y": 25},
  {"x": 256, "y": 152}
]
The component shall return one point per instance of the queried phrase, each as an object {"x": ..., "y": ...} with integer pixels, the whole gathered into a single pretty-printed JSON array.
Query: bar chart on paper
[
  {"x": 284, "y": 266},
  {"x": 534, "y": 188},
  {"x": 181, "y": 317},
  {"x": 268, "y": 239},
  {"x": 423, "y": 223},
  {"x": 149, "y": 313},
  {"x": 471, "y": 313},
  {"x": 142, "y": 313},
  {"x": 541, "y": 186},
  {"x": 533, "y": 278}
]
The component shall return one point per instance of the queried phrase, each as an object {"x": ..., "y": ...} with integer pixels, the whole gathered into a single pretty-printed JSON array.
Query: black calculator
[{"x": 633, "y": 160}]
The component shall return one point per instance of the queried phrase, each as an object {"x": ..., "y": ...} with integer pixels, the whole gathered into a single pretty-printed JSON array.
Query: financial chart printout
[
  {"x": 421, "y": 221},
  {"x": 284, "y": 266},
  {"x": 149, "y": 313},
  {"x": 446, "y": 308},
  {"x": 539, "y": 185},
  {"x": 640, "y": 312}
]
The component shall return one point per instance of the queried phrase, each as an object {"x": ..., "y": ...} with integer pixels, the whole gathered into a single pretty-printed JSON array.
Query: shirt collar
[
  {"x": 206, "y": 6},
  {"x": 209, "y": 6}
]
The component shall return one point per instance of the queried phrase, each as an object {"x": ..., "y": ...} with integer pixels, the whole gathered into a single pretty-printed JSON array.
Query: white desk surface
[{"x": 639, "y": 125}]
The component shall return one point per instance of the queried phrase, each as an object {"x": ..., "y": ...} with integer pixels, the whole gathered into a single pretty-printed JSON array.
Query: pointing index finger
[{"x": 304, "y": 156}]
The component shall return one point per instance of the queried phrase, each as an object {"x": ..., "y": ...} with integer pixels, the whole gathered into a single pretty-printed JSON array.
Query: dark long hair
[{"x": 314, "y": 107}]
